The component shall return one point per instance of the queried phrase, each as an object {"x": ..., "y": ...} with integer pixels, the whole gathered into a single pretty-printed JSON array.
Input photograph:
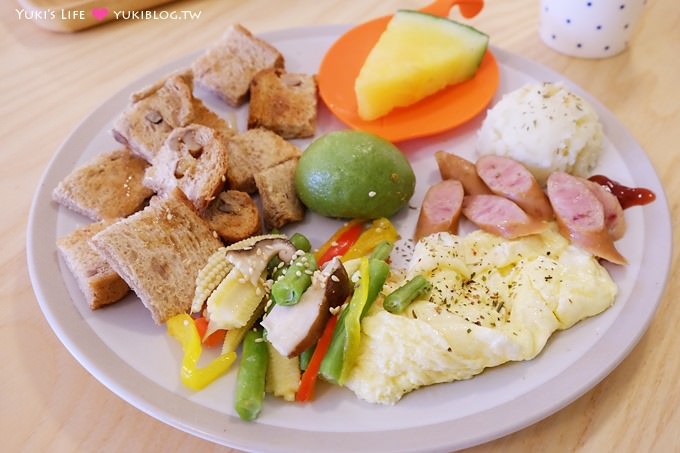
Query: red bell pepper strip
[
  {"x": 341, "y": 241},
  {"x": 214, "y": 339},
  {"x": 306, "y": 390}
]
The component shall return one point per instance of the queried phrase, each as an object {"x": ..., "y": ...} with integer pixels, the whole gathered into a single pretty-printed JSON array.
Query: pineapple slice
[{"x": 417, "y": 55}]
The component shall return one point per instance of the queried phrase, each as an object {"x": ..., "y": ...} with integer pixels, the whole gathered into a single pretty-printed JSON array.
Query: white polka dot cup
[{"x": 589, "y": 28}]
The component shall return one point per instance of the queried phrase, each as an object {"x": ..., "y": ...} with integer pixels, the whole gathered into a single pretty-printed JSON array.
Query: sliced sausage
[
  {"x": 441, "y": 209},
  {"x": 500, "y": 216},
  {"x": 510, "y": 179},
  {"x": 452, "y": 166},
  {"x": 580, "y": 216},
  {"x": 613, "y": 212}
]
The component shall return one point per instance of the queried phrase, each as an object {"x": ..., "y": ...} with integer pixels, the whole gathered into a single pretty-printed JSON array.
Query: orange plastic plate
[{"x": 439, "y": 112}]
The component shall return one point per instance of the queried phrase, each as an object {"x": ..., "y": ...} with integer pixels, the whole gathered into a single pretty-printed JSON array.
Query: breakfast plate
[{"x": 122, "y": 347}]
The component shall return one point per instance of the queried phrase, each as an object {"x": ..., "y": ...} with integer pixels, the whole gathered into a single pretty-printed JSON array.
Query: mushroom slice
[
  {"x": 251, "y": 255},
  {"x": 293, "y": 329}
]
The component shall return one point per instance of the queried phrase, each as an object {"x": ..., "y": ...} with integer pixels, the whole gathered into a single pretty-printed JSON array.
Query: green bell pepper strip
[
  {"x": 305, "y": 357},
  {"x": 334, "y": 360}
]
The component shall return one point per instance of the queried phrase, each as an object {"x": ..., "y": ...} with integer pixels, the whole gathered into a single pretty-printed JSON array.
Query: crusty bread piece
[
  {"x": 108, "y": 187},
  {"x": 95, "y": 277},
  {"x": 284, "y": 103},
  {"x": 154, "y": 112},
  {"x": 159, "y": 251},
  {"x": 158, "y": 109},
  {"x": 234, "y": 215},
  {"x": 228, "y": 67},
  {"x": 206, "y": 117},
  {"x": 280, "y": 202},
  {"x": 254, "y": 151},
  {"x": 193, "y": 158}
]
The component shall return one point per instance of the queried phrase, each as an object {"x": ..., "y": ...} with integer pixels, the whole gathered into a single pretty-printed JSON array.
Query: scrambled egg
[{"x": 492, "y": 301}]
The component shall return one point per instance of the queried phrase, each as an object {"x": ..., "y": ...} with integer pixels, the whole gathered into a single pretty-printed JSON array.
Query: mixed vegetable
[{"x": 296, "y": 312}]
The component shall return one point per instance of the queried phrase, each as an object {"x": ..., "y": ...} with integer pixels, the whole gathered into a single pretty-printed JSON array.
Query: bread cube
[
  {"x": 228, "y": 67},
  {"x": 284, "y": 103},
  {"x": 253, "y": 151},
  {"x": 194, "y": 159},
  {"x": 280, "y": 202},
  {"x": 100, "y": 284}
]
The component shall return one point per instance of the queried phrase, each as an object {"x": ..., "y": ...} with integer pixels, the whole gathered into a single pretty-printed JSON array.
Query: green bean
[
  {"x": 402, "y": 297},
  {"x": 251, "y": 376},
  {"x": 382, "y": 251},
  {"x": 301, "y": 242},
  {"x": 332, "y": 363},
  {"x": 298, "y": 277}
]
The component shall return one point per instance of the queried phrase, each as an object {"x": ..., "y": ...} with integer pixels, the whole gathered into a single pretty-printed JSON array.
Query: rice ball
[{"x": 545, "y": 127}]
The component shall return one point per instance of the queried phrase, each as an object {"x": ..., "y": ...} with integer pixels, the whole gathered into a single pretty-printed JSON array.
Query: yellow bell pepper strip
[
  {"x": 380, "y": 230},
  {"x": 340, "y": 242},
  {"x": 183, "y": 328}
]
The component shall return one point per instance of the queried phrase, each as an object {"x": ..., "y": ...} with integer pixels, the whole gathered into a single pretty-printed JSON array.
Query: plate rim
[{"x": 164, "y": 405}]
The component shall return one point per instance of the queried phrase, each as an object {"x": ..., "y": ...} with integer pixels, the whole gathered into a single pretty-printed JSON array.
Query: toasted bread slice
[
  {"x": 234, "y": 215},
  {"x": 158, "y": 109},
  {"x": 108, "y": 187},
  {"x": 228, "y": 67},
  {"x": 280, "y": 202},
  {"x": 284, "y": 103},
  {"x": 95, "y": 277},
  {"x": 253, "y": 151},
  {"x": 158, "y": 252},
  {"x": 193, "y": 158}
]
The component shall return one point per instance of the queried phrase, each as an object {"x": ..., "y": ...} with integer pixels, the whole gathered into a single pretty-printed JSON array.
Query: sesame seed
[
  {"x": 335, "y": 278},
  {"x": 371, "y": 194},
  {"x": 215, "y": 234},
  {"x": 298, "y": 274}
]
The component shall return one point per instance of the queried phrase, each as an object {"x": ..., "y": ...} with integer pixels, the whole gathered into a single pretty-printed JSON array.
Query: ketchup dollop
[{"x": 627, "y": 196}]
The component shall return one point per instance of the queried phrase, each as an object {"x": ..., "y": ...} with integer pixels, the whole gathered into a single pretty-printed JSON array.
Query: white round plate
[{"x": 122, "y": 347}]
